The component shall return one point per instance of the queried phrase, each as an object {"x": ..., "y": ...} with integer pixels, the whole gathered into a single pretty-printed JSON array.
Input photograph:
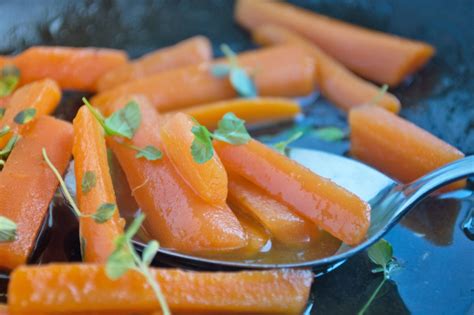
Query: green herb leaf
[
  {"x": 119, "y": 262},
  {"x": 9, "y": 146},
  {"x": 150, "y": 153},
  {"x": 230, "y": 55},
  {"x": 329, "y": 134},
  {"x": 125, "y": 121},
  {"x": 149, "y": 252},
  {"x": 82, "y": 244},
  {"x": 7, "y": 230},
  {"x": 220, "y": 70},
  {"x": 231, "y": 129},
  {"x": 281, "y": 146},
  {"x": 88, "y": 181},
  {"x": 4, "y": 130},
  {"x": 9, "y": 78},
  {"x": 201, "y": 148},
  {"x": 381, "y": 253},
  {"x": 242, "y": 82},
  {"x": 2, "y": 112},
  {"x": 104, "y": 212},
  {"x": 25, "y": 116}
]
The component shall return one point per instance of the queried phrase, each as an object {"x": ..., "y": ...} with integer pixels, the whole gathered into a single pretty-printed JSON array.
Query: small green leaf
[
  {"x": 119, "y": 262},
  {"x": 82, "y": 244},
  {"x": 9, "y": 146},
  {"x": 25, "y": 116},
  {"x": 10, "y": 70},
  {"x": 242, "y": 82},
  {"x": 150, "y": 153},
  {"x": 7, "y": 230},
  {"x": 149, "y": 252},
  {"x": 2, "y": 112},
  {"x": 124, "y": 122},
  {"x": 134, "y": 226},
  {"x": 201, "y": 148},
  {"x": 88, "y": 181},
  {"x": 220, "y": 70},
  {"x": 377, "y": 98},
  {"x": 281, "y": 146},
  {"x": 232, "y": 130},
  {"x": 4, "y": 130},
  {"x": 381, "y": 253},
  {"x": 9, "y": 78},
  {"x": 104, "y": 212},
  {"x": 329, "y": 134}
]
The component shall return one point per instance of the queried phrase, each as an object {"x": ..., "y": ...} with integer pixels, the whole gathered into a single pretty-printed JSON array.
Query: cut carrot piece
[
  {"x": 70, "y": 288},
  {"x": 377, "y": 56},
  {"x": 282, "y": 223},
  {"x": 90, "y": 156},
  {"x": 336, "y": 83},
  {"x": 191, "y": 51},
  {"x": 252, "y": 110},
  {"x": 279, "y": 71},
  {"x": 257, "y": 236},
  {"x": 175, "y": 215},
  {"x": 396, "y": 146},
  {"x": 42, "y": 95},
  {"x": 208, "y": 180},
  {"x": 315, "y": 198},
  {"x": 72, "y": 68},
  {"x": 3, "y": 310},
  {"x": 4, "y": 101},
  {"x": 27, "y": 185}
]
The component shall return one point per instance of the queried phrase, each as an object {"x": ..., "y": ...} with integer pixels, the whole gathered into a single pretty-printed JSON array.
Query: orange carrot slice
[
  {"x": 336, "y": 83},
  {"x": 396, "y": 146},
  {"x": 377, "y": 56},
  {"x": 90, "y": 157},
  {"x": 42, "y": 95},
  {"x": 280, "y": 71},
  {"x": 4, "y": 101},
  {"x": 315, "y": 198},
  {"x": 282, "y": 223},
  {"x": 252, "y": 110},
  {"x": 27, "y": 185},
  {"x": 69, "y": 288},
  {"x": 257, "y": 236},
  {"x": 72, "y": 68},
  {"x": 175, "y": 215},
  {"x": 191, "y": 51},
  {"x": 208, "y": 180}
]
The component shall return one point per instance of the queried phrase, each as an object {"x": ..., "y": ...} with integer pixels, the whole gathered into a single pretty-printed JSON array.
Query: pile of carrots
[{"x": 245, "y": 196}]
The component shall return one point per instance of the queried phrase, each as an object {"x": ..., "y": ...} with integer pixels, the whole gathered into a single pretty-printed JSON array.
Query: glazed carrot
[
  {"x": 336, "y": 83},
  {"x": 377, "y": 56},
  {"x": 3, "y": 309},
  {"x": 208, "y": 180},
  {"x": 42, "y": 95},
  {"x": 252, "y": 110},
  {"x": 27, "y": 185},
  {"x": 4, "y": 101},
  {"x": 90, "y": 156},
  {"x": 315, "y": 198},
  {"x": 175, "y": 215},
  {"x": 69, "y": 288},
  {"x": 257, "y": 236},
  {"x": 282, "y": 223},
  {"x": 279, "y": 71},
  {"x": 191, "y": 51},
  {"x": 396, "y": 146},
  {"x": 72, "y": 68}
]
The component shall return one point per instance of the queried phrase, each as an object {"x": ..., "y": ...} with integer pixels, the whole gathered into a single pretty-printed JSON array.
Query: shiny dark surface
[{"x": 437, "y": 257}]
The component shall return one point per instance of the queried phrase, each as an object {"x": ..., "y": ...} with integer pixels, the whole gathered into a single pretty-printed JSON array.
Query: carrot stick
[
  {"x": 252, "y": 110},
  {"x": 257, "y": 236},
  {"x": 315, "y": 198},
  {"x": 67, "y": 288},
  {"x": 27, "y": 185},
  {"x": 191, "y": 51},
  {"x": 279, "y": 71},
  {"x": 396, "y": 146},
  {"x": 377, "y": 56},
  {"x": 336, "y": 83},
  {"x": 4, "y": 101},
  {"x": 42, "y": 95},
  {"x": 90, "y": 156},
  {"x": 175, "y": 215},
  {"x": 208, "y": 180},
  {"x": 72, "y": 68}
]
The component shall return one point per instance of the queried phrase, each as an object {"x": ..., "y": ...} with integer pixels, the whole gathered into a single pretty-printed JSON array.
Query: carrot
[
  {"x": 252, "y": 110},
  {"x": 68, "y": 288},
  {"x": 315, "y": 198},
  {"x": 191, "y": 51},
  {"x": 257, "y": 236},
  {"x": 280, "y": 71},
  {"x": 42, "y": 95},
  {"x": 377, "y": 56},
  {"x": 27, "y": 185},
  {"x": 90, "y": 156},
  {"x": 396, "y": 146},
  {"x": 175, "y": 215},
  {"x": 4, "y": 101},
  {"x": 282, "y": 223},
  {"x": 72, "y": 68},
  {"x": 336, "y": 83},
  {"x": 208, "y": 180},
  {"x": 3, "y": 309}
]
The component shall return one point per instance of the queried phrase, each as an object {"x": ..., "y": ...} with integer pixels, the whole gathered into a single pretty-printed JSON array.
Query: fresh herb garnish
[
  {"x": 104, "y": 212},
  {"x": 377, "y": 98},
  {"x": 7, "y": 149},
  {"x": 2, "y": 112},
  {"x": 7, "y": 230},
  {"x": 88, "y": 181},
  {"x": 25, "y": 116},
  {"x": 9, "y": 78},
  {"x": 4, "y": 130},
  {"x": 281, "y": 146},
  {"x": 125, "y": 258},
  {"x": 201, "y": 148},
  {"x": 149, "y": 152},
  {"x": 329, "y": 134}
]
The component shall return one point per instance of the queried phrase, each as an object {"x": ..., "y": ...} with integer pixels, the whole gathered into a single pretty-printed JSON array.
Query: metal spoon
[{"x": 389, "y": 200}]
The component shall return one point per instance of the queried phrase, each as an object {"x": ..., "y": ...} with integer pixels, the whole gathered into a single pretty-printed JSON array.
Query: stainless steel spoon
[{"x": 389, "y": 200}]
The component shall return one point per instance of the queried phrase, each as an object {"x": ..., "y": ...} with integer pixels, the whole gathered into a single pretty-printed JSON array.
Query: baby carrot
[
  {"x": 315, "y": 198},
  {"x": 277, "y": 71},
  {"x": 70, "y": 288},
  {"x": 380, "y": 57},
  {"x": 90, "y": 161},
  {"x": 3, "y": 309},
  {"x": 42, "y": 96},
  {"x": 396, "y": 146},
  {"x": 191, "y": 51},
  {"x": 252, "y": 110},
  {"x": 27, "y": 185},
  {"x": 336, "y": 83},
  {"x": 208, "y": 180},
  {"x": 256, "y": 234}
]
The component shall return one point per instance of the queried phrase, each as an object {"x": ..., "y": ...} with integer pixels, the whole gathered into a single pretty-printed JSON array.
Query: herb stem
[
  {"x": 372, "y": 297},
  {"x": 378, "y": 97},
  {"x": 230, "y": 55}
]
